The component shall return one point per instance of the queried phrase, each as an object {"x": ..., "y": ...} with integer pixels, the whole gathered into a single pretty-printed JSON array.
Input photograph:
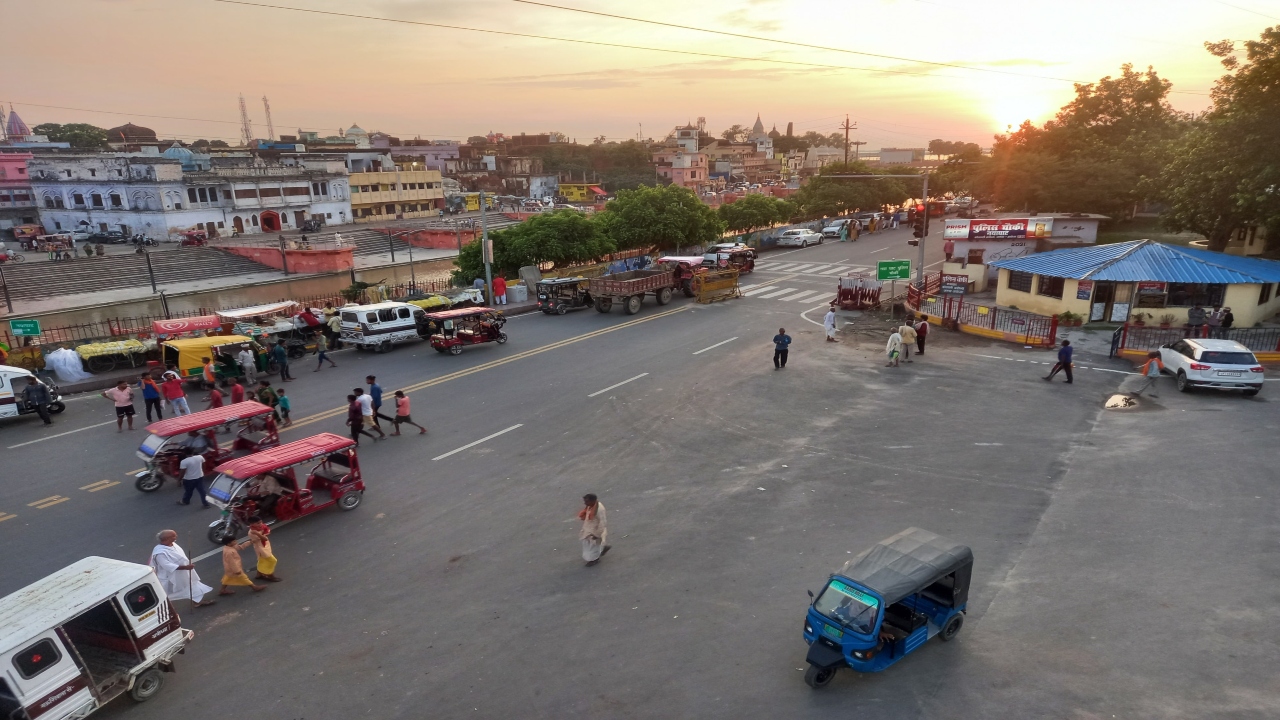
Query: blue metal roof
[{"x": 1146, "y": 260}]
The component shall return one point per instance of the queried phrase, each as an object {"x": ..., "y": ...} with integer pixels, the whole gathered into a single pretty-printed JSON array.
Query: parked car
[
  {"x": 1217, "y": 364},
  {"x": 833, "y": 230},
  {"x": 799, "y": 237}
]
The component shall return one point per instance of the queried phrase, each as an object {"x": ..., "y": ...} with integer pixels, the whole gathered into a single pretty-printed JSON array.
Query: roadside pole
[
  {"x": 7, "y": 300},
  {"x": 458, "y": 232},
  {"x": 151, "y": 272},
  {"x": 920, "y": 262},
  {"x": 391, "y": 244},
  {"x": 485, "y": 252}
]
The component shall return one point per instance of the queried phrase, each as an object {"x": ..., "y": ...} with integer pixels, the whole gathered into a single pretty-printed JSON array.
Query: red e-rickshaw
[
  {"x": 449, "y": 330},
  {"x": 170, "y": 440},
  {"x": 267, "y": 485},
  {"x": 193, "y": 238}
]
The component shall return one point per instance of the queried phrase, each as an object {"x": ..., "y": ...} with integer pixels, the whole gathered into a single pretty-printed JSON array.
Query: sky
[{"x": 179, "y": 66}]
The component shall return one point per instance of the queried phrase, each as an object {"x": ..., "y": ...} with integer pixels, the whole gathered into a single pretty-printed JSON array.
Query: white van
[
  {"x": 379, "y": 326},
  {"x": 76, "y": 640},
  {"x": 12, "y": 381}
]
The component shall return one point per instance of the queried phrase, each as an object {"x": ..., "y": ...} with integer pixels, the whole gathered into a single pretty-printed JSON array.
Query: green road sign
[
  {"x": 24, "y": 328},
  {"x": 893, "y": 270}
]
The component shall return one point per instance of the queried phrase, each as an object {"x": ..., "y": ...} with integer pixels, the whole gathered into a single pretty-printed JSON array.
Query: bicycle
[{"x": 12, "y": 258}]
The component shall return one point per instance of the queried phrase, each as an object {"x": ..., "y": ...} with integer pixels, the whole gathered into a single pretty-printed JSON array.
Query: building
[
  {"x": 979, "y": 241},
  {"x": 762, "y": 140},
  {"x": 433, "y": 154},
  {"x": 160, "y": 195},
  {"x": 688, "y": 169},
  {"x": 382, "y": 188},
  {"x": 686, "y": 137},
  {"x": 17, "y": 200},
  {"x": 901, "y": 156},
  {"x": 582, "y": 192},
  {"x": 1112, "y": 283},
  {"x": 816, "y": 157}
]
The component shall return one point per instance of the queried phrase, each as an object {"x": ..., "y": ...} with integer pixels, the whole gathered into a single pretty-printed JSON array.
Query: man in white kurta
[
  {"x": 829, "y": 324},
  {"x": 593, "y": 531},
  {"x": 175, "y": 571}
]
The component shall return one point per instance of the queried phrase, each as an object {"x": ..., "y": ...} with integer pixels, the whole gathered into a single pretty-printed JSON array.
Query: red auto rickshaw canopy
[
  {"x": 279, "y": 458},
  {"x": 206, "y": 419},
  {"x": 459, "y": 313},
  {"x": 185, "y": 325}
]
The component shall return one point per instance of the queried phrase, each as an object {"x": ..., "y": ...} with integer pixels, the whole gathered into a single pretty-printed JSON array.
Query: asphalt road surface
[{"x": 1125, "y": 560}]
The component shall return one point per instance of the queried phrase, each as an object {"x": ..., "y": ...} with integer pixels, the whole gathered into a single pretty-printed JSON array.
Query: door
[
  {"x": 8, "y": 396},
  {"x": 238, "y": 224},
  {"x": 211, "y": 228},
  {"x": 1121, "y": 303},
  {"x": 1111, "y": 301},
  {"x": 299, "y": 217},
  {"x": 47, "y": 677},
  {"x": 270, "y": 221}
]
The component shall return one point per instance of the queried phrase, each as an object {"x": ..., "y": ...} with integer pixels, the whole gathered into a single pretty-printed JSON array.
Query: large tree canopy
[
  {"x": 561, "y": 238},
  {"x": 825, "y": 196},
  {"x": 80, "y": 135},
  {"x": 665, "y": 218},
  {"x": 755, "y": 211}
]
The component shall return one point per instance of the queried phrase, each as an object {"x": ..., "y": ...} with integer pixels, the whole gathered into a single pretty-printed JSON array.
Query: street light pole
[
  {"x": 391, "y": 245},
  {"x": 484, "y": 250},
  {"x": 7, "y": 300}
]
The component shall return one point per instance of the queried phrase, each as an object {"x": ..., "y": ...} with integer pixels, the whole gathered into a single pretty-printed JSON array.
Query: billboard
[{"x": 998, "y": 228}]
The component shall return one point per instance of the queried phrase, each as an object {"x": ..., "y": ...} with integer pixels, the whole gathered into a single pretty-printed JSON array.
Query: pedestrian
[
  {"x": 1064, "y": 361},
  {"x": 172, "y": 390},
  {"x": 214, "y": 398},
  {"x": 335, "y": 331},
  {"x": 594, "y": 531},
  {"x": 122, "y": 396},
  {"x": 237, "y": 391},
  {"x": 499, "y": 290},
  {"x": 37, "y": 396},
  {"x": 267, "y": 396},
  {"x": 948, "y": 248},
  {"x": 192, "y": 467},
  {"x": 1227, "y": 320},
  {"x": 402, "y": 414},
  {"x": 369, "y": 417},
  {"x": 893, "y": 348},
  {"x": 260, "y": 536},
  {"x": 280, "y": 354},
  {"x": 355, "y": 419},
  {"x": 909, "y": 336},
  {"x": 781, "y": 345},
  {"x": 1214, "y": 321},
  {"x": 829, "y": 324},
  {"x": 1150, "y": 372},
  {"x": 233, "y": 567},
  {"x": 282, "y": 407},
  {"x": 175, "y": 571},
  {"x": 322, "y": 352},
  {"x": 208, "y": 373},
  {"x": 1196, "y": 318},
  {"x": 922, "y": 332},
  {"x": 98, "y": 248},
  {"x": 248, "y": 364},
  {"x": 375, "y": 398},
  {"x": 150, "y": 395}
]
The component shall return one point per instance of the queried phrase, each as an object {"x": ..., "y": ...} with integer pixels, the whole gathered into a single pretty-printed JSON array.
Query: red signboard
[
  {"x": 980, "y": 229},
  {"x": 1150, "y": 287}
]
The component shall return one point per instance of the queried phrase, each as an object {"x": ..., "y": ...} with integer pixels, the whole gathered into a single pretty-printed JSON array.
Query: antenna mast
[
  {"x": 246, "y": 129},
  {"x": 271, "y": 129}
]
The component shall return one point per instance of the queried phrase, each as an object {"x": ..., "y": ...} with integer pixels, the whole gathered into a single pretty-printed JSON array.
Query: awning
[
  {"x": 185, "y": 325},
  {"x": 286, "y": 306},
  {"x": 596, "y": 189}
]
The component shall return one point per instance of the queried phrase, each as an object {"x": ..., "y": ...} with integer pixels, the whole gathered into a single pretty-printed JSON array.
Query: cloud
[
  {"x": 710, "y": 71},
  {"x": 742, "y": 20}
]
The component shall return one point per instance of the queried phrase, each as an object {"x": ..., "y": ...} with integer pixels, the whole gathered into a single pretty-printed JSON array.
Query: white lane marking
[
  {"x": 624, "y": 382},
  {"x": 757, "y": 289},
  {"x": 835, "y": 271},
  {"x": 805, "y": 314},
  {"x": 808, "y": 268},
  {"x": 713, "y": 347},
  {"x": 989, "y": 444},
  {"x": 781, "y": 267},
  {"x": 776, "y": 293},
  {"x": 471, "y": 445},
  {"x": 797, "y": 296},
  {"x": 69, "y": 432},
  {"x": 926, "y": 267},
  {"x": 873, "y": 252}
]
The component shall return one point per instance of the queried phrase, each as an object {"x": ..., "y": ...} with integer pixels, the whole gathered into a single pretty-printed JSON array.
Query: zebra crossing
[
  {"x": 787, "y": 294},
  {"x": 826, "y": 269}
]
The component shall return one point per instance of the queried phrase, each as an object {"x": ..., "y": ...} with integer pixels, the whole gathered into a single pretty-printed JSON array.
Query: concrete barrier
[{"x": 300, "y": 261}]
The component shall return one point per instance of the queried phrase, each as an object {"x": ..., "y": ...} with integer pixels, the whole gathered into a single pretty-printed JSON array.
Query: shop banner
[{"x": 998, "y": 228}]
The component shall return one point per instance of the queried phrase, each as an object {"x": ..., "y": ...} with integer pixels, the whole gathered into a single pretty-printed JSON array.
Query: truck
[{"x": 629, "y": 289}]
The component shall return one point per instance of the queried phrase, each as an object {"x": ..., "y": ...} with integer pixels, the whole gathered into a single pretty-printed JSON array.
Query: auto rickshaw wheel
[
  {"x": 222, "y": 530},
  {"x": 631, "y": 305},
  {"x": 664, "y": 296},
  {"x": 952, "y": 628},
  {"x": 604, "y": 304},
  {"x": 502, "y": 337},
  {"x": 57, "y": 407},
  {"x": 146, "y": 685},
  {"x": 149, "y": 482},
  {"x": 560, "y": 309},
  {"x": 351, "y": 500},
  {"x": 384, "y": 346},
  {"x": 686, "y": 287},
  {"x": 816, "y": 677},
  {"x": 455, "y": 349}
]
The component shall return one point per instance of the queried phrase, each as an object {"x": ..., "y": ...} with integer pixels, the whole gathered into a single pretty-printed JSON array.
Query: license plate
[
  {"x": 1229, "y": 373},
  {"x": 832, "y": 632}
]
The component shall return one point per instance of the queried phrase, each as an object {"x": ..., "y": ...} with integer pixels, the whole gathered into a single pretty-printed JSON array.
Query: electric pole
[
  {"x": 486, "y": 250},
  {"x": 847, "y": 126}
]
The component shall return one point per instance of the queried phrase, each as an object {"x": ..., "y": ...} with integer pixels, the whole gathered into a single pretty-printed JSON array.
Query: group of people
[
  {"x": 155, "y": 395},
  {"x": 898, "y": 348},
  {"x": 499, "y": 289},
  {"x": 364, "y": 410},
  {"x": 1218, "y": 322},
  {"x": 178, "y": 576}
]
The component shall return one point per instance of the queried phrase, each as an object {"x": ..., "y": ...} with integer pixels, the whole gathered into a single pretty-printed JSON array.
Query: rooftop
[{"x": 1146, "y": 260}]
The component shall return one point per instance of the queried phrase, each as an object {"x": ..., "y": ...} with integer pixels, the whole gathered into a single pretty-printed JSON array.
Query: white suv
[{"x": 1219, "y": 364}]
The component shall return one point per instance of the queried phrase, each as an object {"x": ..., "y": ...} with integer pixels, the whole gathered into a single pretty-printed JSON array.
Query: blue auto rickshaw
[{"x": 886, "y": 602}]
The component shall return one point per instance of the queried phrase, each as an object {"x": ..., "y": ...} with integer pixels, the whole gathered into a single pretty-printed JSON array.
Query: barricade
[
  {"x": 997, "y": 323},
  {"x": 715, "y": 285}
]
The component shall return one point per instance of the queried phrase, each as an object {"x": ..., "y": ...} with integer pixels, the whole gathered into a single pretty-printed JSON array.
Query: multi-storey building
[
  {"x": 160, "y": 195},
  {"x": 682, "y": 167},
  {"x": 17, "y": 202},
  {"x": 396, "y": 190}
]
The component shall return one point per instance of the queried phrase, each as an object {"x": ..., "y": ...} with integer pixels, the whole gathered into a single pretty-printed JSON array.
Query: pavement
[{"x": 1119, "y": 569}]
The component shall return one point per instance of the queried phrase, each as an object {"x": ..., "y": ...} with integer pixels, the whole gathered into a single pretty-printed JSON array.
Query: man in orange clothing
[
  {"x": 1150, "y": 372},
  {"x": 499, "y": 291}
]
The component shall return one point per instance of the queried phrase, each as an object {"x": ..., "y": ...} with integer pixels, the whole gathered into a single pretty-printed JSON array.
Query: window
[
  {"x": 36, "y": 659},
  {"x": 116, "y": 201},
  {"x": 253, "y": 219},
  {"x": 177, "y": 206},
  {"x": 141, "y": 599},
  {"x": 22, "y": 171},
  {"x": 204, "y": 195},
  {"x": 57, "y": 225},
  {"x": 77, "y": 199},
  {"x": 191, "y": 195},
  {"x": 1219, "y": 357},
  {"x": 1020, "y": 281},
  {"x": 48, "y": 201},
  {"x": 1265, "y": 294},
  {"x": 221, "y": 225},
  {"x": 213, "y": 194},
  {"x": 1050, "y": 287},
  {"x": 371, "y": 317},
  {"x": 66, "y": 173},
  {"x": 93, "y": 173},
  {"x": 97, "y": 200},
  {"x": 249, "y": 194},
  {"x": 1189, "y": 294},
  {"x": 119, "y": 173},
  {"x": 403, "y": 313},
  {"x": 57, "y": 201},
  {"x": 328, "y": 216},
  {"x": 387, "y": 314}
]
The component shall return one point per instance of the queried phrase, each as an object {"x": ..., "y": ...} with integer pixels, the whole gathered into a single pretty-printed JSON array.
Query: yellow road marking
[
  {"x": 48, "y": 502},
  {"x": 131, "y": 473},
  {"x": 100, "y": 485},
  {"x": 494, "y": 363},
  {"x": 5, "y": 516}
]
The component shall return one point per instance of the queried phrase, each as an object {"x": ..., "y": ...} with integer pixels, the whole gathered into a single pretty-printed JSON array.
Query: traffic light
[{"x": 917, "y": 229}]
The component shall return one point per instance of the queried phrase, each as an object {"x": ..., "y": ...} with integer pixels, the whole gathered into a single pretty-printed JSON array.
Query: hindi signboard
[
  {"x": 1084, "y": 289},
  {"x": 954, "y": 284},
  {"x": 893, "y": 270}
]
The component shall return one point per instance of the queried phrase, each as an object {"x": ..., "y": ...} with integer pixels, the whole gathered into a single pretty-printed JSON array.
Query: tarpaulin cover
[
  {"x": 287, "y": 306},
  {"x": 906, "y": 562},
  {"x": 184, "y": 325}
]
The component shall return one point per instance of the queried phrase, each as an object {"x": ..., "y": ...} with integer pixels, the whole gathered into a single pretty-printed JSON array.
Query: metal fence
[
  {"x": 1147, "y": 337},
  {"x": 1027, "y": 328}
]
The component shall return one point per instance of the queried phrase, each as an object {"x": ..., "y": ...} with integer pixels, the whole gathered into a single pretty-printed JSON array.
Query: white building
[
  {"x": 160, "y": 195},
  {"x": 816, "y": 157},
  {"x": 763, "y": 142}
]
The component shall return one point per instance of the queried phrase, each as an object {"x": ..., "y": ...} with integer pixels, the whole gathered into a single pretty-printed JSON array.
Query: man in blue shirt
[
  {"x": 280, "y": 354},
  {"x": 375, "y": 394},
  {"x": 781, "y": 342},
  {"x": 1064, "y": 361}
]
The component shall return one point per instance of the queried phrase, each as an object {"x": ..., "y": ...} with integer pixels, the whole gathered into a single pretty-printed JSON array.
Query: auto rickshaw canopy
[
  {"x": 284, "y": 456},
  {"x": 206, "y": 419},
  {"x": 190, "y": 350},
  {"x": 458, "y": 313},
  {"x": 909, "y": 562}
]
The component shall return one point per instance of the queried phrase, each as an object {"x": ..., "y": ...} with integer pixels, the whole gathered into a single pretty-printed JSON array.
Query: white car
[
  {"x": 1218, "y": 364},
  {"x": 833, "y": 230},
  {"x": 799, "y": 237}
]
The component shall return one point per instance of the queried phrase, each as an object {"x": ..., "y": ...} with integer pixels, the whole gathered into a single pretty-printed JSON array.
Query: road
[{"x": 1119, "y": 570}]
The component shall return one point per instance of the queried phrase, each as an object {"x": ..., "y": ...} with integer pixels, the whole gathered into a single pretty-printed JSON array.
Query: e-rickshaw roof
[
  {"x": 206, "y": 419},
  {"x": 208, "y": 341},
  {"x": 283, "y": 456},
  {"x": 53, "y": 600},
  {"x": 562, "y": 281},
  {"x": 906, "y": 563},
  {"x": 459, "y": 312},
  {"x": 691, "y": 259}
]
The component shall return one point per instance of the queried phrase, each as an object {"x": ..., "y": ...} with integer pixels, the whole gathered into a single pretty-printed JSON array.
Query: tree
[
  {"x": 219, "y": 144},
  {"x": 753, "y": 212},
  {"x": 477, "y": 140},
  {"x": 200, "y": 145},
  {"x": 952, "y": 147},
  {"x": 560, "y": 238},
  {"x": 662, "y": 218},
  {"x": 817, "y": 139},
  {"x": 80, "y": 135},
  {"x": 735, "y": 133},
  {"x": 787, "y": 143},
  {"x": 825, "y": 197}
]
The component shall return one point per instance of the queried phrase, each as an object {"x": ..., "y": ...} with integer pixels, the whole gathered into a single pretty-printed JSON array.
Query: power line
[
  {"x": 1237, "y": 7},
  {"x": 130, "y": 114},
  {"x": 807, "y": 45}
]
